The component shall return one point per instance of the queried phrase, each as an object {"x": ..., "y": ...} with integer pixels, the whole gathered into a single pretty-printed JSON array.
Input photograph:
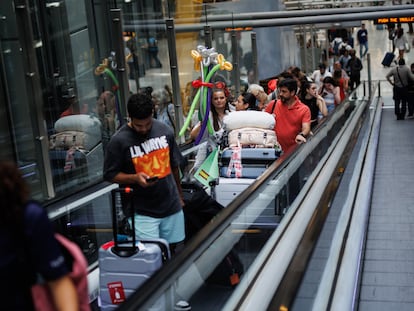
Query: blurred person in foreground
[{"x": 29, "y": 248}]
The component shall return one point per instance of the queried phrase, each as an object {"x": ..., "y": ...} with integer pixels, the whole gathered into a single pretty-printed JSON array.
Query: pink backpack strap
[
  {"x": 41, "y": 294},
  {"x": 79, "y": 273}
]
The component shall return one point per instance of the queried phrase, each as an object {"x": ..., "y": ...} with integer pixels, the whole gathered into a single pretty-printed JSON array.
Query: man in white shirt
[{"x": 318, "y": 75}]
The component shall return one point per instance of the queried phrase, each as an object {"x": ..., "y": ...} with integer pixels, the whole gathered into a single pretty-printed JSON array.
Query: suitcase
[
  {"x": 388, "y": 58},
  {"x": 252, "y": 137},
  {"x": 125, "y": 265},
  {"x": 254, "y": 161}
]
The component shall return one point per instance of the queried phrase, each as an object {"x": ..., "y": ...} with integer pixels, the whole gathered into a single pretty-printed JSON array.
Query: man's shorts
[{"x": 170, "y": 228}]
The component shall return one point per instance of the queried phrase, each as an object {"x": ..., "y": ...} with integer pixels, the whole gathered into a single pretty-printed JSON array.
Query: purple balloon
[{"x": 205, "y": 120}]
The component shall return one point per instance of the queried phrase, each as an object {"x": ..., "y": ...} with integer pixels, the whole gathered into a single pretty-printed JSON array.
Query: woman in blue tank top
[{"x": 330, "y": 93}]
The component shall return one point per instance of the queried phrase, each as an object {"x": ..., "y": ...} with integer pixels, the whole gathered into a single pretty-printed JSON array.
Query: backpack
[{"x": 42, "y": 298}]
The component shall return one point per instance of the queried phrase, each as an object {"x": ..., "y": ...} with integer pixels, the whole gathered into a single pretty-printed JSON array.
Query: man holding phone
[{"x": 143, "y": 154}]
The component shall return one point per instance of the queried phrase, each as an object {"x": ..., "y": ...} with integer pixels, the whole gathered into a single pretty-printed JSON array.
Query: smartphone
[{"x": 152, "y": 179}]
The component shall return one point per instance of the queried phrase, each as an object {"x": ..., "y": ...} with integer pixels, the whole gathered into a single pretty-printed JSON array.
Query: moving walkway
[{"x": 300, "y": 189}]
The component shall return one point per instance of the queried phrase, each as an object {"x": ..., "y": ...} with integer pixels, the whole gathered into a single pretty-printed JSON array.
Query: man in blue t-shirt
[
  {"x": 362, "y": 36},
  {"x": 143, "y": 154}
]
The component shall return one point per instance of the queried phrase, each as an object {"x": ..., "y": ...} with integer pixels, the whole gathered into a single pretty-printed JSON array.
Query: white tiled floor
[{"x": 379, "y": 44}]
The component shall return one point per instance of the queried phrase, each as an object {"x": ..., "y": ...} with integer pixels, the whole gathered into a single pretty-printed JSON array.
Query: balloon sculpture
[{"x": 207, "y": 61}]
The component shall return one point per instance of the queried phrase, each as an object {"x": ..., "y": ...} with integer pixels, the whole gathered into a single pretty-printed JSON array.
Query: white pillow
[{"x": 249, "y": 118}]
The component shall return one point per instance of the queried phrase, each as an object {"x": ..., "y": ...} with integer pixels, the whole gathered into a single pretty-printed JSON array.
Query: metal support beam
[
  {"x": 175, "y": 79},
  {"x": 369, "y": 75},
  {"x": 264, "y": 19},
  {"x": 207, "y": 36},
  {"x": 34, "y": 92},
  {"x": 235, "y": 61},
  {"x": 303, "y": 19},
  {"x": 313, "y": 47},
  {"x": 254, "y": 56},
  {"x": 119, "y": 47}
]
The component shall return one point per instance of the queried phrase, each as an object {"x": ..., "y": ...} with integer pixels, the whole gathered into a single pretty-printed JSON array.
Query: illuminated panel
[
  {"x": 239, "y": 29},
  {"x": 386, "y": 20}
]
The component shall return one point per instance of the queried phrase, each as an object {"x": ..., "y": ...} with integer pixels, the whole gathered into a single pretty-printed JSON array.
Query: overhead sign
[
  {"x": 395, "y": 20},
  {"x": 228, "y": 29}
]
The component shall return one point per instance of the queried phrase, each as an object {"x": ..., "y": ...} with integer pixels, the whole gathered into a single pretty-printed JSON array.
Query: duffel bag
[
  {"x": 252, "y": 137},
  {"x": 73, "y": 139}
]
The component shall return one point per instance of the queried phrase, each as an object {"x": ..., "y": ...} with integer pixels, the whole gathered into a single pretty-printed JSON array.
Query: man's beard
[
  {"x": 143, "y": 135},
  {"x": 284, "y": 100}
]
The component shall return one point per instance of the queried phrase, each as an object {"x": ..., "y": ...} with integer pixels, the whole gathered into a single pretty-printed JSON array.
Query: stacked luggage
[
  {"x": 81, "y": 132},
  {"x": 75, "y": 147},
  {"x": 252, "y": 144}
]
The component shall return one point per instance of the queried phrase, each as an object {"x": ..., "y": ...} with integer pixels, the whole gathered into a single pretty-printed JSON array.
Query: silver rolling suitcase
[{"x": 126, "y": 265}]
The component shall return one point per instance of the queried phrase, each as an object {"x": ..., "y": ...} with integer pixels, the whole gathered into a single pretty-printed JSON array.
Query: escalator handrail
[
  {"x": 342, "y": 272},
  {"x": 298, "y": 217}
]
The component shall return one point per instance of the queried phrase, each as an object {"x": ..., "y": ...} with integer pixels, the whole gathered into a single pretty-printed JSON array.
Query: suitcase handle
[{"x": 122, "y": 251}]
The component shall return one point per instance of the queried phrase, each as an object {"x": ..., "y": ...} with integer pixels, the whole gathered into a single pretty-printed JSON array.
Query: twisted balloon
[{"x": 208, "y": 62}]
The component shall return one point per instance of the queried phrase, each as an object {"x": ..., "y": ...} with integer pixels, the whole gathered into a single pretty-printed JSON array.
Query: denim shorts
[{"x": 170, "y": 228}]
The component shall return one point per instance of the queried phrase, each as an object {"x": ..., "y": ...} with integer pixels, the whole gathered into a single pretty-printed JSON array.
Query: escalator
[{"x": 299, "y": 189}]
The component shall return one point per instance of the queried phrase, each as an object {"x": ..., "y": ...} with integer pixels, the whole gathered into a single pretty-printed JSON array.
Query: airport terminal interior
[{"x": 325, "y": 227}]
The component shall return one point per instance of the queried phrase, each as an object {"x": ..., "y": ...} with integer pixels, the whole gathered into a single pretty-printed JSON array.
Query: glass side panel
[
  {"x": 77, "y": 18},
  {"x": 89, "y": 224},
  {"x": 76, "y": 128}
]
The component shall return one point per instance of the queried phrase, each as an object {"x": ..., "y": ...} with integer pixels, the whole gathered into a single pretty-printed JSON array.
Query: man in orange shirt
[{"x": 292, "y": 116}]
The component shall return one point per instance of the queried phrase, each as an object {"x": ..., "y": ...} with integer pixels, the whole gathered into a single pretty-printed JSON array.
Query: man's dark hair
[
  {"x": 401, "y": 61},
  {"x": 140, "y": 106},
  {"x": 289, "y": 83}
]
